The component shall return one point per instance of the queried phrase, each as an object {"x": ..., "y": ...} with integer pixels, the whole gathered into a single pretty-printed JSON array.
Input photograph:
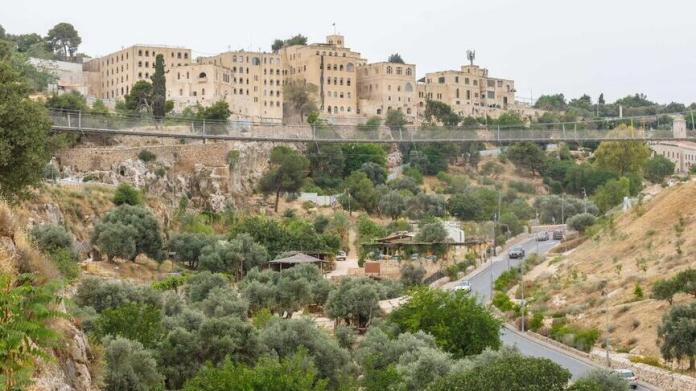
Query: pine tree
[{"x": 159, "y": 89}]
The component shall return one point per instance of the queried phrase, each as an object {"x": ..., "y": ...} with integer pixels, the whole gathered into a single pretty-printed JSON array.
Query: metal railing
[{"x": 265, "y": 131}]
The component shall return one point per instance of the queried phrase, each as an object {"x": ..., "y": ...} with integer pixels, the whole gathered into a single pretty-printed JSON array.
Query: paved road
[{"x": 481, "y": 287}]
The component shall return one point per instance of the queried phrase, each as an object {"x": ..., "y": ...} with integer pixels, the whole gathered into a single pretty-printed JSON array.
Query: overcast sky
[{"x": 618, "y": 47}]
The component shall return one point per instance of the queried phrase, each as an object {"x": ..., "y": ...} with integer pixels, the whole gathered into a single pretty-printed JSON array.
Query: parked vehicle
[
  {"x": 516, "y": 252},
  {"x": 464, "y": 286},
  {"x": 629, "y": 376},
  {"x": 341, "y": 256},
  {"x": 542, "y": 236},
  {"x": 558, "y": 235}
]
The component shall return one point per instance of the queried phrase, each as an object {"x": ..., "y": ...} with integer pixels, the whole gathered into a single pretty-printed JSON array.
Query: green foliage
[
  {"x": 64, "y": 40},
  {"x": 159, "y": 88},
  {"x": 430, "y": 159},
  {"x": 586, "y": 177},
  {"x": 622, "y": 157},
  {"x": 139, "y": 98},
  {"x": 553, "y": 208},
  {"x": 425, "y": 205},
  {"x": 130, "y": 366},
  {"x": 300, "y": 99},
  {"x": 286, "y": 173},
  {"x": 102, "y": 294},
  {"x": 581, "y": 222},
  {"x": 127, "y": 231},
  {"x": 395, "y": 58},
  {"x": 134, "y": 321},
  {"x": 359, "y": 154},
  {"x": 392, "y": 204},
  {"x": 396, "y": 120},
  {"x": 577, "y": 337},
  {"x": 439, "y": 112},
  {"x": 356, "y": 301},
  {"x": 296, "y": 372},
  {"x": 127, "y": 194},
  {"x": 346, "y": 336},
  {"x": 412, "y": 274},
  {"x": 359, "y": 193},
  {"x": 414, "y": 173},
  {"x": 236, "y": 256},
  {"x": 286, "y": 337},
  {"x": 658, "y": 168},
  {"x": 27, "y": 310},
  {"x": 372, "y": 124},
  {"x": 551, "y": 102},
  {"x": 24, "y": 135},
  {"x": 536, "y": 322},
  {"x": 298, "y": 39},
  {"x": 502, "y": 301},
  {"x": 600, "y": 380},
  {"x": 404, "y": 183},
  {"x": 526, "y": 155},
  {"x": 474, "y": 204},
  {"x": 201, "y": 284},
  {"x": 218, "y": 111},
  {"x": 686, "y": 281},
  {"x": 187, "y": 247},
  {"x": 431, "y": 233},
  {"x": 326, "y": 165},
  {"x": 52, "y": 238},
  {"x": 146, "y": 156},
  {"x": 376, "y": 173},
  {"x": 444, "y": 315},
  {"x": 612, "y": 193},
  {"x": 665, "y": 289},
  {"x": 514, "y": 373},
  {"x": 70, "y": 101}
]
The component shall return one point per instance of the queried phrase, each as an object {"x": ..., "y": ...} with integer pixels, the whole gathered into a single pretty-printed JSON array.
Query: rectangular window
[
  {"x": 490, "y": 83},
  {"x": 441, "y": 80},
  {"x": 490, "y": 94}
]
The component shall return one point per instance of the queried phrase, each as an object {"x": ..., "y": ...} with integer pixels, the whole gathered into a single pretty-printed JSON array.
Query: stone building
[
  {"x": 331, "y": 67},
  {"x": 681, "y": 153},
  {"x": 385, "y": 86},
  {"x": 111, "y": 77},
  {"x": 256, "y": 84},
  {"x": 469, "y": 91}
]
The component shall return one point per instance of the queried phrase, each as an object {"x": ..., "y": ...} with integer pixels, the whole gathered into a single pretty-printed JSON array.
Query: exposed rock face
[{"x": 204, "y": 173}]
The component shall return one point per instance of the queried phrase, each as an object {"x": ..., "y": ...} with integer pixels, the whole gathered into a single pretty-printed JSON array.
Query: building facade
[
  {"x": 386, "y": 86},
  {"x": 681, "y": 153},
  {"x": 332, "y": 68},
  {"x": 112, "y": 76},
  {"x": 469, "y": 91}
]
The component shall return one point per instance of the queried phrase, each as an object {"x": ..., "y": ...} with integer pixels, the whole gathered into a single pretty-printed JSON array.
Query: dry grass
[{"x": 640, "y": 249}]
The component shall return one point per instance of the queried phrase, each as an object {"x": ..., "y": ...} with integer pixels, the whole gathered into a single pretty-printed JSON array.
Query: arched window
[
  {"x": 408, "y": 110},
  {"x": 408, "y": 71},
  {"x": 255, "y": 61},
  {"x": 350, "y": 67},
  {"x": 202, "y": 75},
  {"x": 408, "y": 87},
  {"x": 389, "y": 70}
]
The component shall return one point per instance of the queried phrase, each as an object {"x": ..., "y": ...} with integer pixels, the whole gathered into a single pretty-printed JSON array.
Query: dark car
[
  {"x": 516, "y": 252},
  {"x": 558, "y": 235}
]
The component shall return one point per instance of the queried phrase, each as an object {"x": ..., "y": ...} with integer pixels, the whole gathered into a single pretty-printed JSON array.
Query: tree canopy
[
  {"x": 395, "y": 58},
  {"x": 286, "y": 173},
  {"x": 64, "y": 40}
]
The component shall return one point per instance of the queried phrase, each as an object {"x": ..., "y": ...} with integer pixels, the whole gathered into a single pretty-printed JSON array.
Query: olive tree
[
  {"x": 136, "y": 228},
  {"x": 356, "y": 301},
  {"x": 130, "y": 366},
  {"x": 677, "y": 334}
]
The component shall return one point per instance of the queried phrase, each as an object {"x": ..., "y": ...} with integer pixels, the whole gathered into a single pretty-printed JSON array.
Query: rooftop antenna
[{"x": 471, "y": 55}]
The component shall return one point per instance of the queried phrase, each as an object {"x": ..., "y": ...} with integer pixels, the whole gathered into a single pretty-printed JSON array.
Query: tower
[{"x": 679, "y": 127}]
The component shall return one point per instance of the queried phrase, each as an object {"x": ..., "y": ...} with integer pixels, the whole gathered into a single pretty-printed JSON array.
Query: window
[
  {"x": 147, "y": 53},
  {"x": 178, "y": 76},
  {"x": 408, "y": 71},
  {"x": 490, "y": 83},
  {"x": 457, "y": 94},
  {"x": 350, "y": 67},
  {"x": 468, "y": 94},
  {"x": 466, "y": 80},
  {"x": 441, "y": 80},
  {"x": 389, "y": 70},
  {"x": 185, "y": 55},
  {"x": 398, "y": 70},
  {"x": 181, "y": 92},
  {"x": 456, "y": 79},
  {"x": 408, "y": 87},
  {"x": 490, "y": 94},
  {"x": 202, "y": 75},
  {"x": 500, "y": 83},
  {"x": 140, "y": 52}
]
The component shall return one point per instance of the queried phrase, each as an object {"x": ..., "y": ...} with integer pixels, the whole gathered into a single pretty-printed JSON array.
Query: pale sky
[{"x": 618, "y": 47}]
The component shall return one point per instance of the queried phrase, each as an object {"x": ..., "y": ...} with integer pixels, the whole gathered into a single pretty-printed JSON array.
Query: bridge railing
[{"x": 177, "y": 126}]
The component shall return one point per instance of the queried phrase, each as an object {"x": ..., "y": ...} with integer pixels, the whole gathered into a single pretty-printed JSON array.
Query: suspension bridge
[{"x": 180, "y": 128}]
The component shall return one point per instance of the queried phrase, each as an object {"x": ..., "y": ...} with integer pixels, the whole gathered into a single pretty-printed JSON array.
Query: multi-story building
[
  {"x": 331, "y": 67},
  {"x": 469, "y": 91},
  {"x": 681, "y": 153},
  {"x": 255, "y": 83},
  {"x": 112, "y": 76},
  {"x": 386, "y": 86}
]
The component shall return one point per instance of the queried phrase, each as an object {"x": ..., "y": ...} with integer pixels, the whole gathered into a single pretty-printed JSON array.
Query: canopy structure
[{"x": 296, "y": 259}]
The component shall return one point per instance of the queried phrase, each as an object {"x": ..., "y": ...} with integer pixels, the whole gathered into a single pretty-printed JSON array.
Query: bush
[
  {"x": 345, "y": 335},
  {"x": 658, "y": 168},
  {"x": 66, "y": 262},
  {"x": 412, "y": 274},
  {"x": 135, "y": 321},
  {"x": 51, "y": 238},
  {"x": 127, "y": 194},
  {"x": 536, "y": 322},
  {"x": 127, "y": 231},
  {"x": 581, "y": 222},
  {"x": 130, "y": 366},
  {"x": 600, "y": 379},
  {"x": 146, "y": 156}
]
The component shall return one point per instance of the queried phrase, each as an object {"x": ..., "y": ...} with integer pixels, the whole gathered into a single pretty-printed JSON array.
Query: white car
[
  {"x": 629, "y": 376},
  {"x": 341, "y": 256},
  {"x": 464, "y": 286}
]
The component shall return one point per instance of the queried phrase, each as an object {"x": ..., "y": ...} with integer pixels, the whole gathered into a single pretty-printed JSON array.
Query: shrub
[
  {"x": 130, "y": 366},
  {"x": 600, "y": 379},
  {"x": 51, "y": 238},
  {"x": 146, "y": 156},
  {"x": 135, "y": 321},
  {"x": 345, "y": 335},
  {"x": 536, "y": 322},
  {"x": 412, "y": 274},
  {"x": 581, "y": 222},
  {"x": 127, "y": 194},
  {"x": 127, "y": 231},
  {"x": 66, "y": 263}
]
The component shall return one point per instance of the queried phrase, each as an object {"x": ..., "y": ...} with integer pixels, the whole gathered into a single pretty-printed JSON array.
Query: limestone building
[
  {"x": 331, "y": 67},
  {"x": 112, "y": 76},
  {"x": 469, "y": 91},
  {"x": 385, "y": 86}
]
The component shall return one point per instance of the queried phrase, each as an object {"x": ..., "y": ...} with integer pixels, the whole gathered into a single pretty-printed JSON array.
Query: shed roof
[{"x": 297, "y": 258}]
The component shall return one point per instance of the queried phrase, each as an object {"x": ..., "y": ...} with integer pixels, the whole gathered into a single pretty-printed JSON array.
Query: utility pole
[
  {"x": 584, "y": 200},
  {"x": 606, "y": 342},
  {"x": 524, "y": 312},
  {"x": 562, "y": 210}
]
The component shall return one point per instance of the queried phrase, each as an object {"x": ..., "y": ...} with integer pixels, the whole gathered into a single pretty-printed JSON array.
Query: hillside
[{"x": 632, "y": 249}]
